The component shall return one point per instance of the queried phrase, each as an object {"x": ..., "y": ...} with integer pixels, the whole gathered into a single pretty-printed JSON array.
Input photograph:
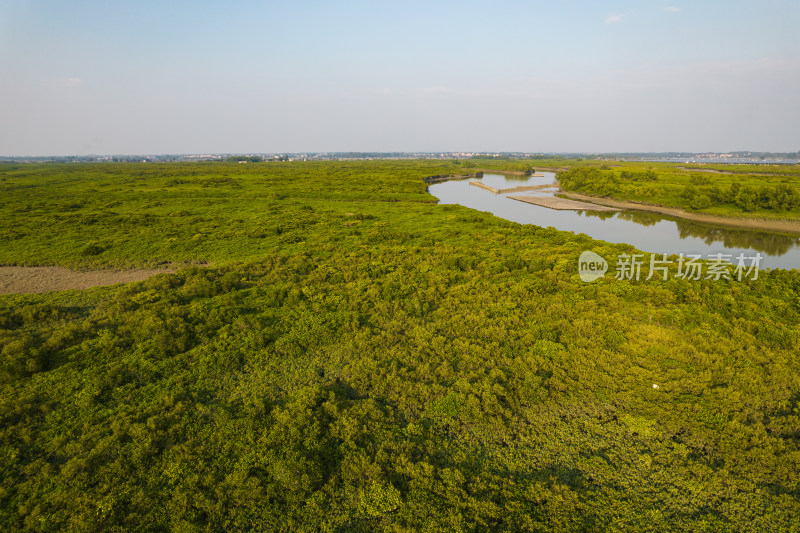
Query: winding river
[{"x": 649, "y": 232}]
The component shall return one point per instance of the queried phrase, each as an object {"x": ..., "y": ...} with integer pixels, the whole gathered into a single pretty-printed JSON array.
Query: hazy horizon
[
  {"x": 199, "y": 77},
  {"x": 390, "y": 154}
]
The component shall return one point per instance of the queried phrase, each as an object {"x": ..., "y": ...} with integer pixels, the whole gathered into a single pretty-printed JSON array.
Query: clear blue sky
[{"x": 81, "y": 77}]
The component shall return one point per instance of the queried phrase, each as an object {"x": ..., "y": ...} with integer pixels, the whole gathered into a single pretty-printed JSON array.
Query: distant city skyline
[
  {"x": 90, "y": 77},
  {"x": 534, "y": 158}
]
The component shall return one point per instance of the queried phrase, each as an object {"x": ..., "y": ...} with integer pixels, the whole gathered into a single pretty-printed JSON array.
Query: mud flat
[
  {"x": 562, "y": 204},
  {"x": 26, "y": 280},
  {"x": 521, "y": 188}
]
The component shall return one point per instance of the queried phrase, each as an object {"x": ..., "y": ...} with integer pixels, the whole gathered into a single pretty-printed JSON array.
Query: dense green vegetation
[
  {"x": 745, "y": 169},
  {"x": 357, "y": 358},
  {"x": 766, "y": 195},
  {"x": 144, "y": 214}
]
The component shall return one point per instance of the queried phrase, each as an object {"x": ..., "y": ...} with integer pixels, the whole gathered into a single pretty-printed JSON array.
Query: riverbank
[
  {"x": 562, "y": 204},
  {"x": 786, "y": 226},
  {"x": 521, "y": 173},
  {"x": 439, "y": 178}
]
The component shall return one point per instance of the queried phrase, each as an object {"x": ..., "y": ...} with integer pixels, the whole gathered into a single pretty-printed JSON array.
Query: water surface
[{"x": 650, "y": 232}]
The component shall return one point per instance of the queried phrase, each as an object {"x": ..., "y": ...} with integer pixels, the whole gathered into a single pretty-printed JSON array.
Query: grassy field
[
  {"x": 142, "y": 215},
  {"x": 358, "y": 358}
]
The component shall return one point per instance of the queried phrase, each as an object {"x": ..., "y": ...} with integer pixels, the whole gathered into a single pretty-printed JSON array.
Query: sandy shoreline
[{"x": 787, "y": 226}]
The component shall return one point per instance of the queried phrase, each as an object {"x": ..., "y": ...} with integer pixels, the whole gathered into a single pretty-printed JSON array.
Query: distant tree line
[
  {"x": 247, "y": 158},
  {"x": 780, "y": 197},
  {"x": 700, "y": 193}
]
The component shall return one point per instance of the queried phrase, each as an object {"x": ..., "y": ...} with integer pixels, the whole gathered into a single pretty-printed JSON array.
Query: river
[{"x": 649, "y": 232}]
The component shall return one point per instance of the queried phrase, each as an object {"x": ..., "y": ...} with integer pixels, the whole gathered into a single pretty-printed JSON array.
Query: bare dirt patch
[{"x": 25, "y": 280}]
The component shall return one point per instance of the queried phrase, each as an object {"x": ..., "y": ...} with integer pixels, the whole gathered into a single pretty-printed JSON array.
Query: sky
[{"x": 110, "y": 77}]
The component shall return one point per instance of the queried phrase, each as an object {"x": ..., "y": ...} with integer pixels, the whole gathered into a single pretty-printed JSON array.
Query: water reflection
[
  {"x": 639, "y": 217},
  {"x": 773, "y": 244},
  {"x": 505, "y": 181},
  {"x": 761, "y": 241},
  {"x": 516, "y": 178},
  {"x": 646, "y": 231}
]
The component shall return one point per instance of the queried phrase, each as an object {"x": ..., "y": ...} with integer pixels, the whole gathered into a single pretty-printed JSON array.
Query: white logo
[{"x": 591, "y": 267}]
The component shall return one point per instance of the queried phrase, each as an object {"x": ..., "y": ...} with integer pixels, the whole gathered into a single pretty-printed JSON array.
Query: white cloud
[
  {"x": 611, "y": 19},
  {"x": 672, "y": 9}
]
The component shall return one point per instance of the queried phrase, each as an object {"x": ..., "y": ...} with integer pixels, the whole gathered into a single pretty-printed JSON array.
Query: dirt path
[
  {"x": 789, "y": 226},
  {"x": 24, "y": 280}
]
